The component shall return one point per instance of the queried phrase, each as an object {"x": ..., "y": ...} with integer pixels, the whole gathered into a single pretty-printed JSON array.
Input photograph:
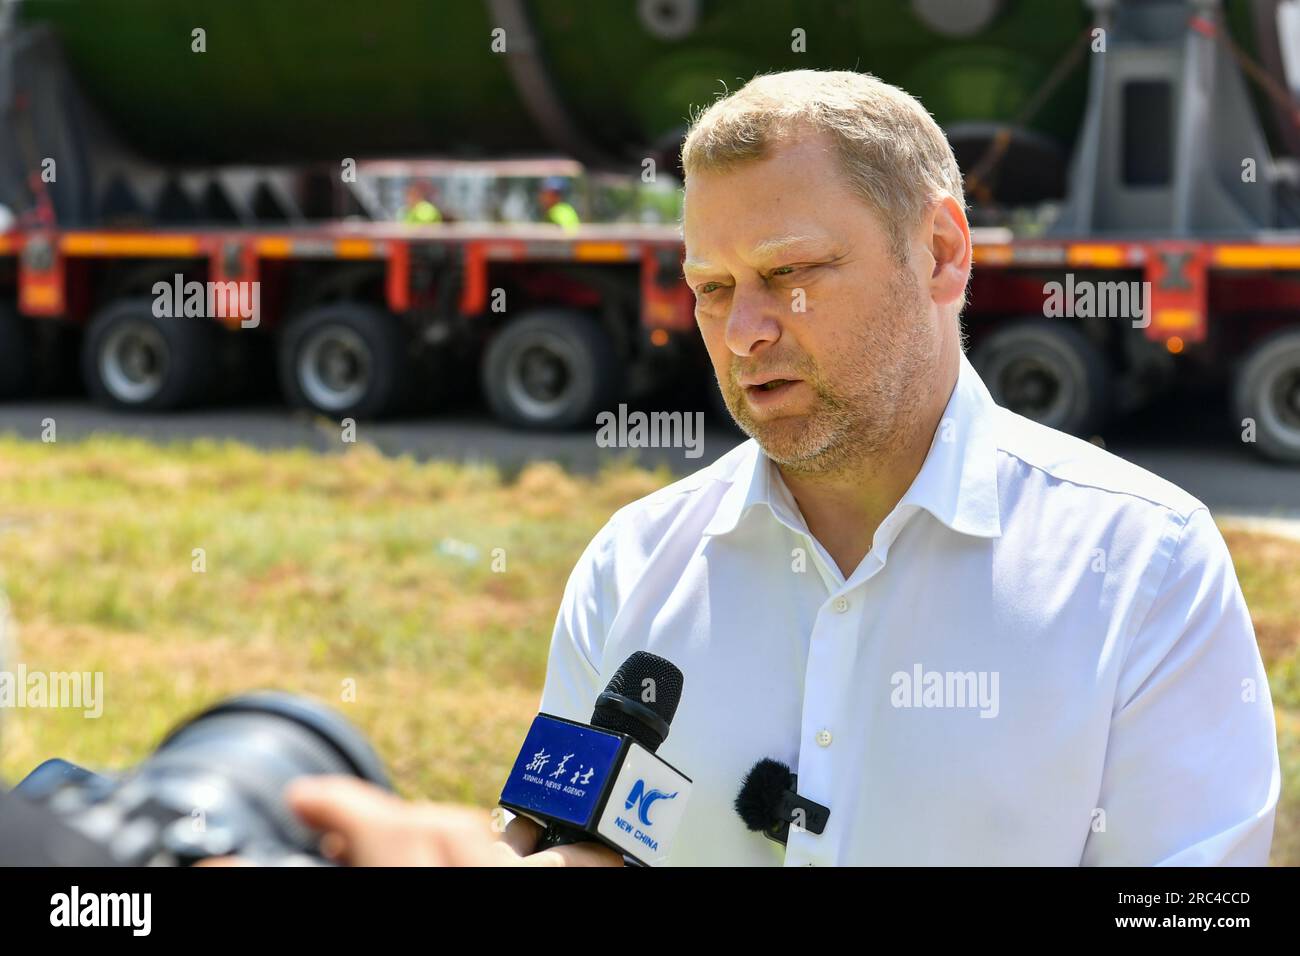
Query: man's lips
[
  {"x": 769, "y": 391},
  {"x": 766, "y": 382}
]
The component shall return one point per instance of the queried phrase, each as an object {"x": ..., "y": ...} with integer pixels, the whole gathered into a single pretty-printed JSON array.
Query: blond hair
[{"x": 891, "y": 150}]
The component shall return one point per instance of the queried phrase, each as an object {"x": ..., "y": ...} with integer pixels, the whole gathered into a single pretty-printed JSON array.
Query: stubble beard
[{"x": 873, "y": 409}]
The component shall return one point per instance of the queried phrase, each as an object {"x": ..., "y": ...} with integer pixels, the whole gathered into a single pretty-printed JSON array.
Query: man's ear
[{"x": 950, "y": 247}]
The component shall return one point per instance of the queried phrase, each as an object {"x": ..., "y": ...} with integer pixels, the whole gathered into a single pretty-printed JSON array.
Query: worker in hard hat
[
  {"x": 420, "y": 207},
  {"x": 557, "y": 210}
]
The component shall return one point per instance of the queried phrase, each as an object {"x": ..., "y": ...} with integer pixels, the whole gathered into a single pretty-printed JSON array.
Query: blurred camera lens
[{"x": 215, "y": 784}]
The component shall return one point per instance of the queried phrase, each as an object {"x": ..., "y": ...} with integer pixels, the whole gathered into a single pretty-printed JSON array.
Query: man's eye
[
  {"x": 784, "y": 270},
  {"x": 705, "y": 288}
]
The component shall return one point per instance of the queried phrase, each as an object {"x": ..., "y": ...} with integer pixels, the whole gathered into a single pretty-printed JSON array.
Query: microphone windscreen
[{"x": 759, "y": 800}]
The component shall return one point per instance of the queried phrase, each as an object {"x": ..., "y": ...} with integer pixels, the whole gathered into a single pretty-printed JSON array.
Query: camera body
[{"x": 213, "y": 787}]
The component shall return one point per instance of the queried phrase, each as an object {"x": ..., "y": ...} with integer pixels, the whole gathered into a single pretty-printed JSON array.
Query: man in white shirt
[{"x": 975, "y": 639}]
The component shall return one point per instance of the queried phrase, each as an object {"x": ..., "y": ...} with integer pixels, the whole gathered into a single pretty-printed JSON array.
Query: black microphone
[
  {"x": 769, "y": 802},
  {"x": 599, "y": 781}
]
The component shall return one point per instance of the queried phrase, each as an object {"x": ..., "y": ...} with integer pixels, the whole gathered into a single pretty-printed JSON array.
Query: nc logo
[{"x": 642, "y": 798}]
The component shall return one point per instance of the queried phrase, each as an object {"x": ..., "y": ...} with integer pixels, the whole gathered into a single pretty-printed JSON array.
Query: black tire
[
  {"x": 344, "y": 360},
  {"x": 16, "y": 354},
  {"x": 1046, "y": 371},
  {"x": 57, "y": 344},
  {"x": 1267, "y": 390},
  {"x": 132, "y": 359},
  {"x": 551, "y": 369}
]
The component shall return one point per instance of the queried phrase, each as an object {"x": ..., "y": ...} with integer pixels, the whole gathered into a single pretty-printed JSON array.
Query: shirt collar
[{"x": 957, "y": 483}]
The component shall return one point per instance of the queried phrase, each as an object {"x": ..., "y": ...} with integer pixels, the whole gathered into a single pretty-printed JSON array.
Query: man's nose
[{"x": 752, "y": 321}]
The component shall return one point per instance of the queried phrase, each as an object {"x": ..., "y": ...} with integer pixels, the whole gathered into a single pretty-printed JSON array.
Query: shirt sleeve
[
  {"x": 578, "y": 641},
  {"x": 1192, "y": 775}
]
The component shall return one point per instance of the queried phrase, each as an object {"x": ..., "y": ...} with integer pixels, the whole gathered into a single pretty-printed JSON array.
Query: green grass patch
[{"x": 321, "y": 573}]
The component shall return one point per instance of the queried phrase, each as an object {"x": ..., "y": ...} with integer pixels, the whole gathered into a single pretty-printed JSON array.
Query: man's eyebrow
[
  {"x": 696, "y": 265},
  {"x": 775, "y": 247},
  {"x": 768, "y": 248}
]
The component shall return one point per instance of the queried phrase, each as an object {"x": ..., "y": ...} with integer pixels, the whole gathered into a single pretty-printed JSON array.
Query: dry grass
[
  {"x": 1269, "y": 571},
  {"x": 319, "y": 570}
]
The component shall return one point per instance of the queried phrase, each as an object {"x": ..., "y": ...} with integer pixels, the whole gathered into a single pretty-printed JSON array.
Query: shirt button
[
  {"x": 841, "y": 605},
  {"x": 824, "y": 738}
]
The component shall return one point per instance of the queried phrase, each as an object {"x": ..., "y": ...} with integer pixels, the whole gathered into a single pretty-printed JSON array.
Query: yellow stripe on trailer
[
  {"x": 994, "y": 255},
  {"x": 1257, "y": 257},
  {"x": 1166, "y": 319},
  {"x": 1090, "y": 254},
  {"x": 274, "y": 248},
  {"x": 355, "y": 249},
  {"x": 117, "y": 244},
  {"x": 600, "y": 251}
]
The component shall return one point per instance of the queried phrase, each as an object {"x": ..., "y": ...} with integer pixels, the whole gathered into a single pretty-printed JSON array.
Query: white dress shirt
[{"x": 1044, "y": 659}]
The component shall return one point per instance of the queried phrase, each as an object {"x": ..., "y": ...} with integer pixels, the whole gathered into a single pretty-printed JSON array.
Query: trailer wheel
[
  {"x": 344, "y": 359},
  {"x": 550, "y": 369},
  {"x": 16, "y": 354},
  {"x": 1268, "y": 391},
  {"x": 1046, "y": 371},
  {"x": 130, "y": 358}
]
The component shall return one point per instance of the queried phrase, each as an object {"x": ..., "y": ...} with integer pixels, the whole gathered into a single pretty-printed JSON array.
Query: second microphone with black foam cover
[{"x": 769, "y": 802}]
